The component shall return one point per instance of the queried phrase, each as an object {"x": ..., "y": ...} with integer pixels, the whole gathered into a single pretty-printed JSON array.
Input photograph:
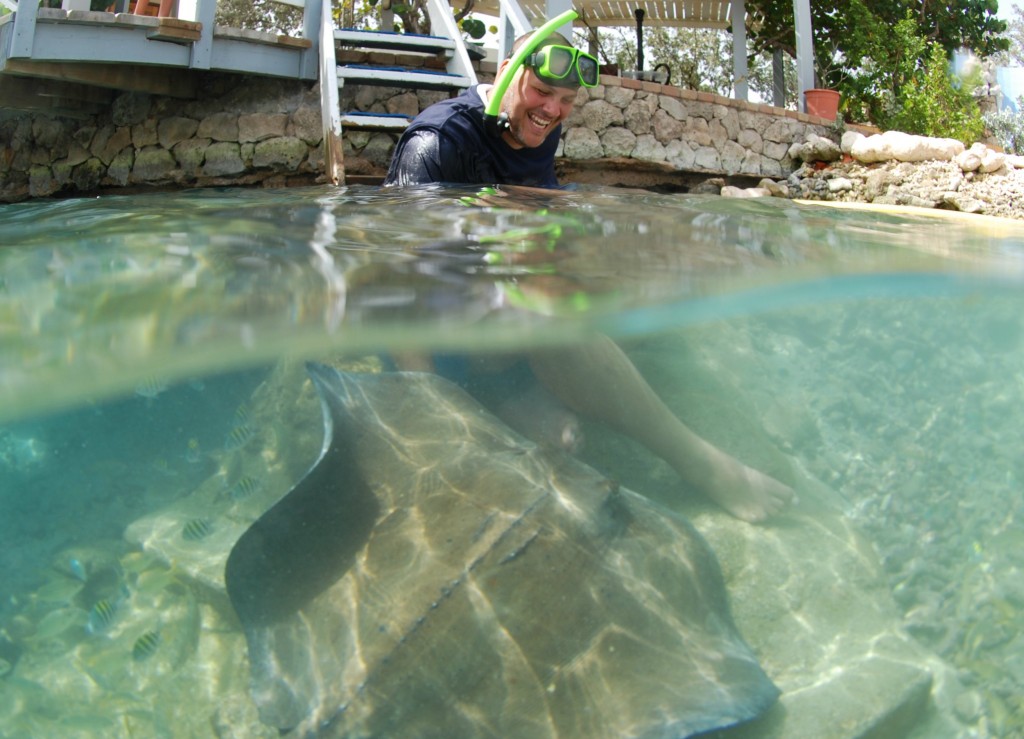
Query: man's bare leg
[{"x": 599, "y": 381}]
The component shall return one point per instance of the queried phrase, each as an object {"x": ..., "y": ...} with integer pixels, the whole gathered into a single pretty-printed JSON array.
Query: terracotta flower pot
[{"x": 822, "y": 102}]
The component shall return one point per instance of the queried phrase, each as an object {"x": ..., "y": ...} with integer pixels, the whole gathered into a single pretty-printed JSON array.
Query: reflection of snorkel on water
[{"x": 530, "y": 267}]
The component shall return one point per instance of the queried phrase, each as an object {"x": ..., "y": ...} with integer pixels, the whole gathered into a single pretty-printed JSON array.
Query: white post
[
  {"x": 311, "y": 15},
  {"x": 738, "y": 18},
  {"x": 330, "y": 108},
  {"x": 512, "y": 24},
  {"x": 442, "y": 23},
  {"x": 24, "y": 31},
  {"x": 556, "y": 8},
  {"x": 202, "y": 50},
  {"x": 804, "y": 51}
]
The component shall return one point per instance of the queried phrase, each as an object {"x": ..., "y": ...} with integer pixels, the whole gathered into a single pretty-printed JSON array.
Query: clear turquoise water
[{"x": 880, "y": 353}]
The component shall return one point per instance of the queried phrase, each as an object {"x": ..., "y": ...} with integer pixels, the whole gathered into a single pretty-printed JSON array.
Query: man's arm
[{"x": 419, "y": 161}]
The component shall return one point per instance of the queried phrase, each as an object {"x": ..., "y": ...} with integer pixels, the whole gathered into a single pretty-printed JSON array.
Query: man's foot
[{"x": 744, "y": 492}]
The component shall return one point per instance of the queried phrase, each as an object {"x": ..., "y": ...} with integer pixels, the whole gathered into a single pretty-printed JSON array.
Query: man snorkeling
[
  {"x": 454, "y": 142},
  {"x": 487, "y": 137}
]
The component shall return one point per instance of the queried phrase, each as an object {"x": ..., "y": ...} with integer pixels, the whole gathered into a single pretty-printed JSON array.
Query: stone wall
[
  {"x": 238, "y": 132},
  {"x": 247, "y": 131}
]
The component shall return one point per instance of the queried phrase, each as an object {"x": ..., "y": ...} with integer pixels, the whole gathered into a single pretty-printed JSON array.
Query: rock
[
  {"x": 775, "y": 189},
  {"x": 130, "y": 109},
  {"x": 40, "y": 181},
  {"x": 223, "y": 158},
  {"x": 840, "y": 184},
  {"x": 991, "y": 161},
  {"x": 815, "y": 149},
  {"x": 261, "y": 126},
  {"x": 962, "y": 203},
  {"x": 153, "y": 164},
  {"x": 710, "y": 186},
  {"x": 219, "y": 127},
  {"x": 174, "y": 130},
  {"x": 729, "y": 191},
  {"x": 120, "y": 169},
  {"x": 284, "y": 151},
  {"x": 582, "y": 143},
  {"x": 970, "y": 160},
  {"x": 87, "y": 175},
  {"x": 904, "y": 147},
  {"x": 849, "y": 139}
]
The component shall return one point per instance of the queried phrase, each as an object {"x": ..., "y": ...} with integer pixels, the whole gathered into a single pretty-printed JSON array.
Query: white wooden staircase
[{"x": 454, "y": 73}]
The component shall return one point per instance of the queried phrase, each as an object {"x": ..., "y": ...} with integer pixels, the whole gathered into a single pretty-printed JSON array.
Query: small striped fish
[
  {"x": 242, "y": 415},
  {"x": 101, "y": 615},
  {"x": 196, "y": 529},
  {"x": 145, "y": 646},
  {"x": 238, "y": 437},
  {"x": 151, "y": 387},
  {"x": 246, "y": 486}
]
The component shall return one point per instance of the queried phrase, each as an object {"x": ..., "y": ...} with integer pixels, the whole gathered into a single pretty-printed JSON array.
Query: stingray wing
[{"x": 497, "y": 591}]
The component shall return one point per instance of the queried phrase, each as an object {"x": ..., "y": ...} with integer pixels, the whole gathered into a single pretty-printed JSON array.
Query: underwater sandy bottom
[{"x": 909, "y": 409}]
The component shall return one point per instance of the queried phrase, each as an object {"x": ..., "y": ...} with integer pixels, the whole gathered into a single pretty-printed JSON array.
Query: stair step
[
  {"x": 402, "y": 77},
  {"x": 375, "y": 121},
  {"x": 394, "y": 41}
]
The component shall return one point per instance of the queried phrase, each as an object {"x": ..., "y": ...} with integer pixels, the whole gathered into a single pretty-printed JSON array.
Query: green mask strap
[{"x": 494, "y": 120}]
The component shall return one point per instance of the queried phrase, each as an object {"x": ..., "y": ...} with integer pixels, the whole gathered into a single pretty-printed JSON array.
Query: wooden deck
[{"x": 65, "y": 49}]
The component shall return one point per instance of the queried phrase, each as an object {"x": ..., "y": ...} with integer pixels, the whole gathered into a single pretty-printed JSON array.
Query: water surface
[{"x": 880, "y": 353}]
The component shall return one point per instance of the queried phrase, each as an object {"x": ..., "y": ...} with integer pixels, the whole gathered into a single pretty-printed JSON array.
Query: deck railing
[{"x": 192, "y": 40}]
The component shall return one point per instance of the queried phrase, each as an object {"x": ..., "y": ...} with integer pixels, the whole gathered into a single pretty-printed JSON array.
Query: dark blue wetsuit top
[{"x": 447, "y": 143}]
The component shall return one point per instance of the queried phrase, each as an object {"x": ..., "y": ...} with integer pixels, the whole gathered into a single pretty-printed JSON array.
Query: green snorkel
[{"x": 494, "y": 120}]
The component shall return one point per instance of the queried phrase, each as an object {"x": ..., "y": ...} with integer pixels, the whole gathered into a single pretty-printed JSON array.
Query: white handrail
[
  {"x": 516, "y": 16},
  {"x": 330, "y": 109},
  {"x": 12, "y": 6},
  {"x": 442, "y": 23}
]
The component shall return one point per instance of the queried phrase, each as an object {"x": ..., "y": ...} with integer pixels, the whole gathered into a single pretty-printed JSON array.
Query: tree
[
  {"x": 1014, "y": 55},
  {"x": 931, "y": 105},
  {"x": 697, "y": 58},
  {"x": 845, "y": 33},
  {"x": 266, "y": 15}
]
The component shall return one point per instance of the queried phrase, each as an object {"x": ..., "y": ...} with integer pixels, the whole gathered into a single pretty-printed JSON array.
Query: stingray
[{"x": 436, "y": 574}]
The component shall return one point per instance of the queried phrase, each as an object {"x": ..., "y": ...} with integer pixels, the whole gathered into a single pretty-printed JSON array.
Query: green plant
[
  {"x": 904, "y": 83},
  {"x": 1008, "y": 127},
  {"x": 473, "y": 27},
  {"x": 937, "y": 103}
]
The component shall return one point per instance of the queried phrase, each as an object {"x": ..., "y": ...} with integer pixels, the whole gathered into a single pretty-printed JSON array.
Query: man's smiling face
[{"x": 534, "y": 109}]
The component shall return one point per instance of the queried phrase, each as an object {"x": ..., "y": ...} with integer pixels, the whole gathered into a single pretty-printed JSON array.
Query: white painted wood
[
  {"x": 330, "y": 109},
  {"x": 739, "y": 50},
  {"x": 400, "y": 77},
  {"x": 554, "y": 9},
  {"x": 374, "y": 122},
  {"x": 394, "y": 41},
  {"x": 442, "y": 23},
  {"x": 804, "y": 51}
]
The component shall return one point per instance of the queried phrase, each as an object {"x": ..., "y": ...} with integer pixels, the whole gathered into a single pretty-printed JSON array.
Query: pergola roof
[{"x": 679, "y": 13}]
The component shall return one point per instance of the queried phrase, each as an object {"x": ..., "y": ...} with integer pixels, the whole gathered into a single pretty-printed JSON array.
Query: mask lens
[
  {"x": 587, "y": 66},
  {"x": 559, "y": 61}
]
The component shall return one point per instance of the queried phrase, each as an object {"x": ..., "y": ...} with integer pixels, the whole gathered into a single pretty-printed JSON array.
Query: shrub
[
  {"x": 1008, "y": 127},
  {"x": 937, "y": 103},
  {"x": 904, "y": 84}
]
